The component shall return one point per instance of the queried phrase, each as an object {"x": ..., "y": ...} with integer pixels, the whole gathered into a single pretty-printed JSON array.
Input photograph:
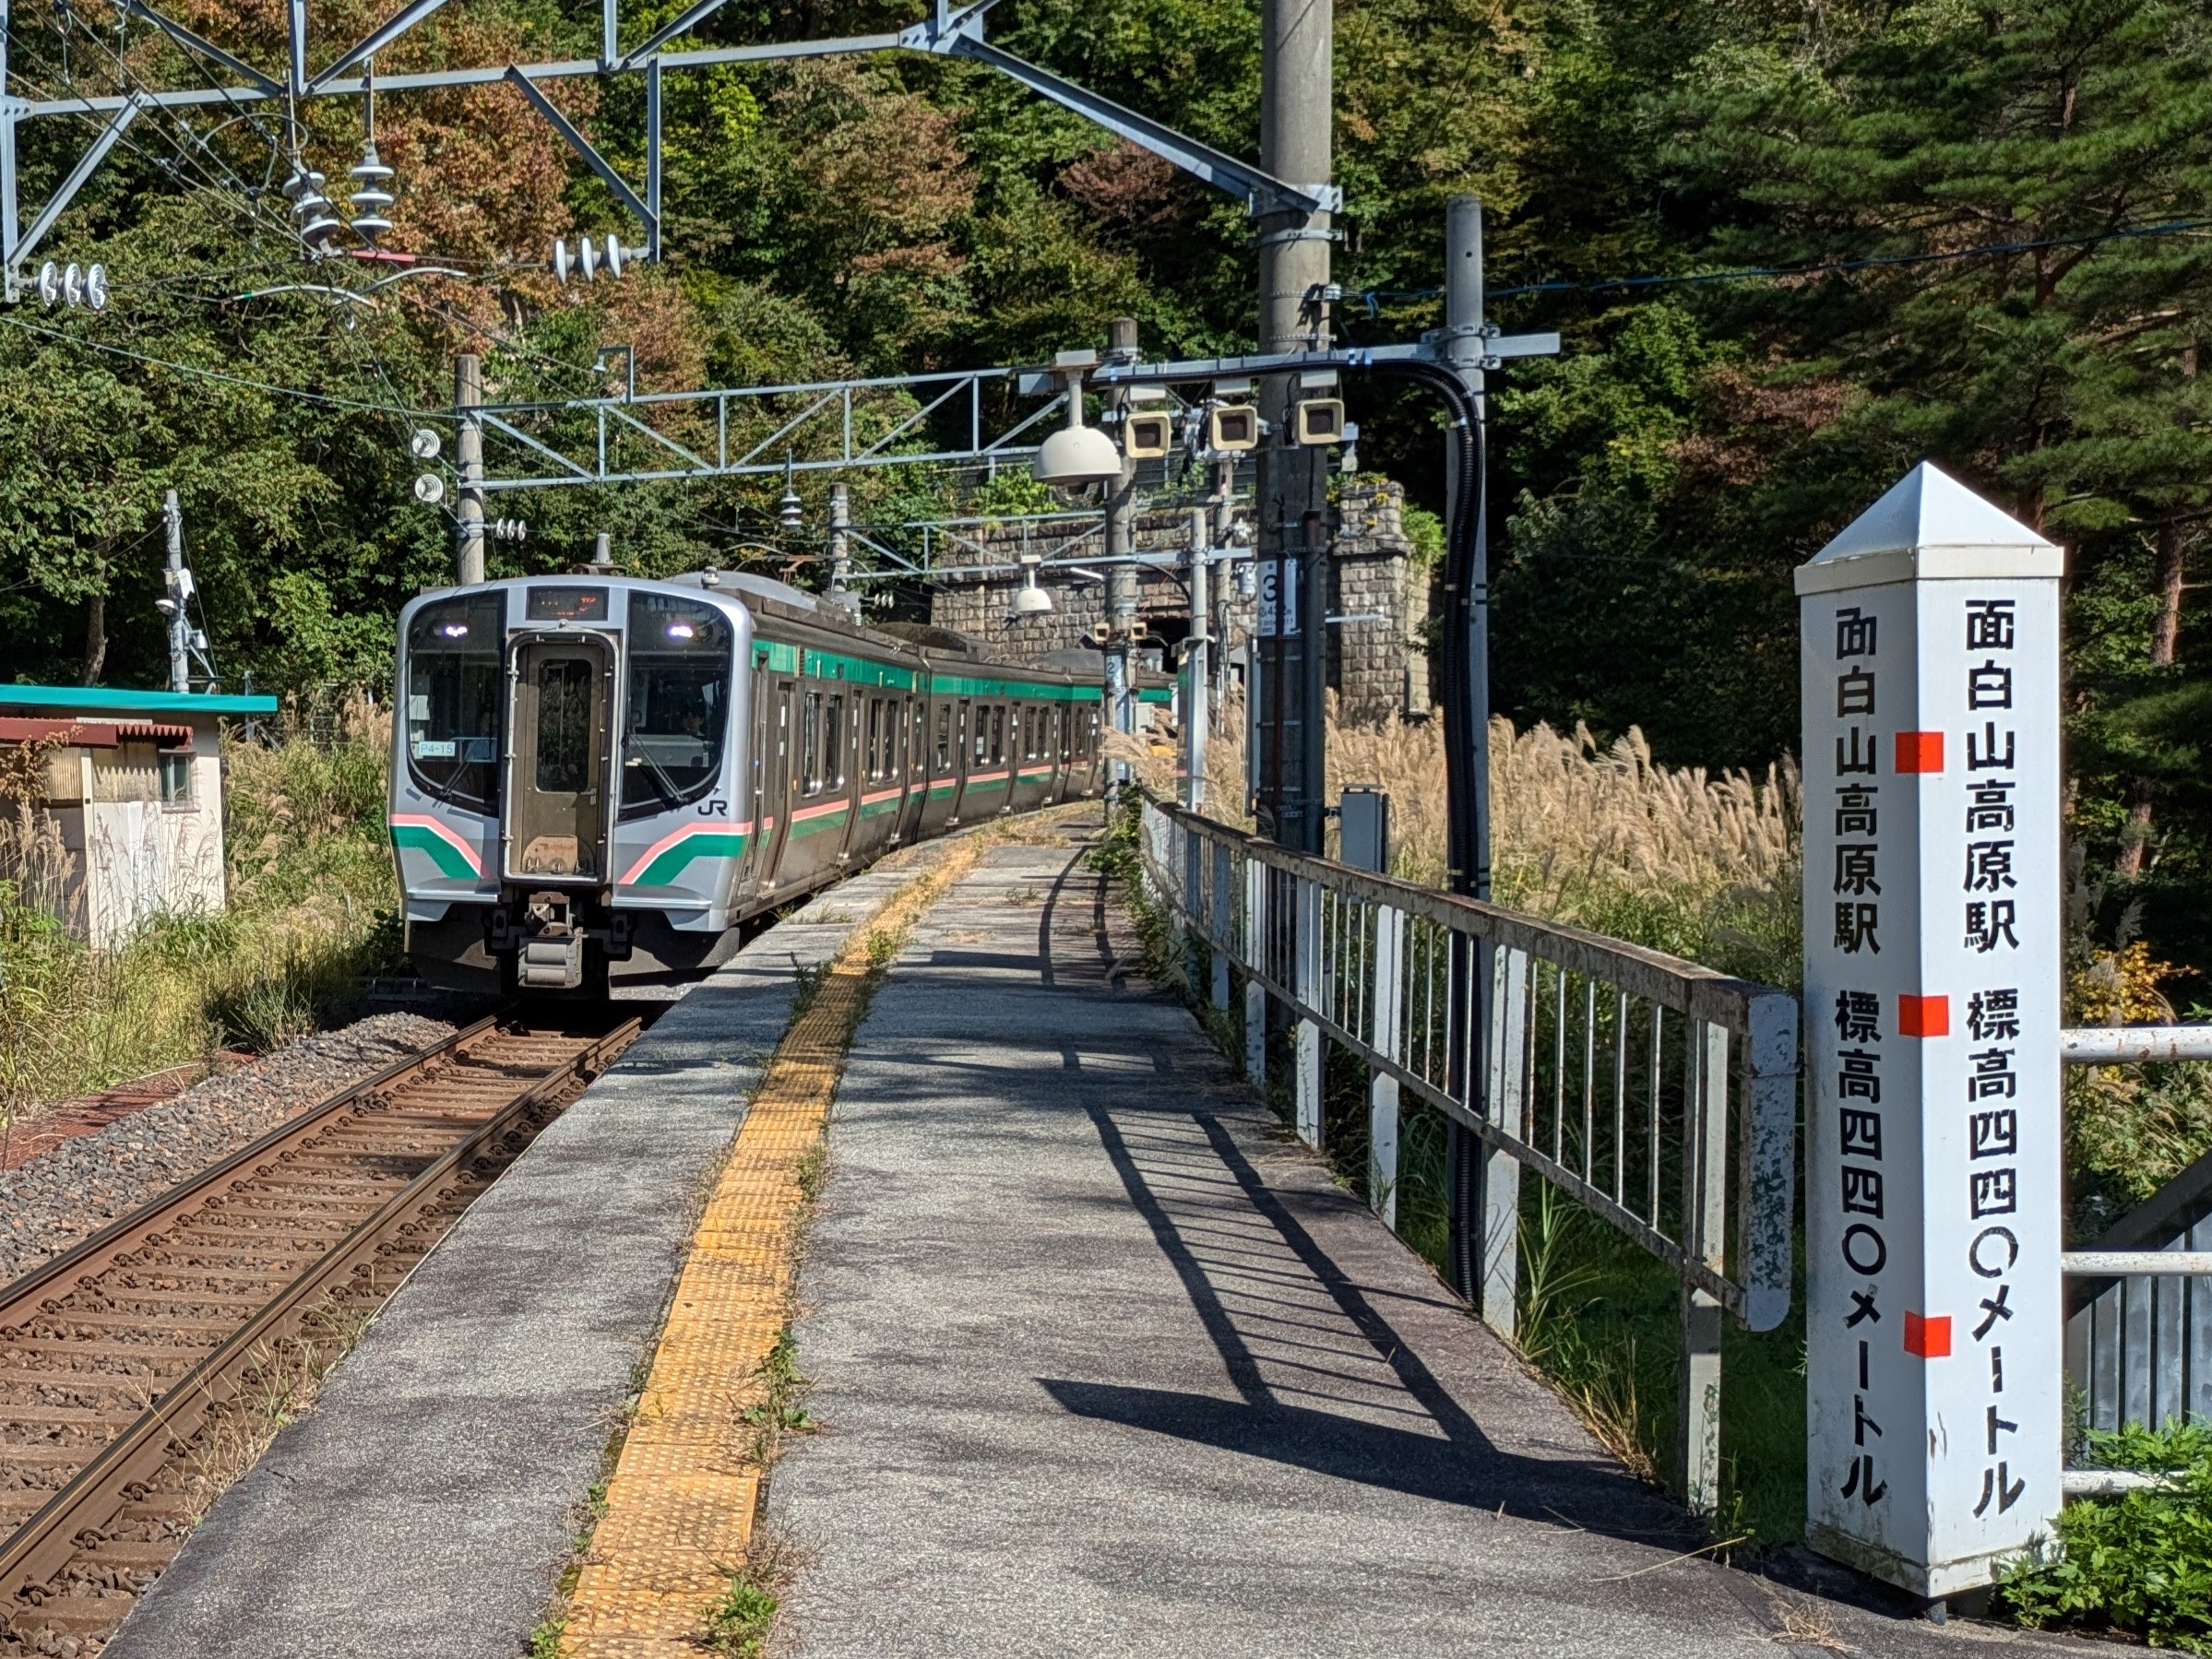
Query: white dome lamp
[
  {"x": 1028, "y": 599},
  {"x": 1076, "y": 456}
]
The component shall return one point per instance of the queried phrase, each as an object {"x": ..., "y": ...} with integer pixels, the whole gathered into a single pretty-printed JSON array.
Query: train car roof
[{"x": 937, "y": 650}]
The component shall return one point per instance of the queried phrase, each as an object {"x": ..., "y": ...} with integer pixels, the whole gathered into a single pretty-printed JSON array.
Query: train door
[
  {"x": 966, "y": 717},
  {"x": 772, "y": 805},
  {"x": 913, "y": 769},
  {"x": 557, "y": 797}
]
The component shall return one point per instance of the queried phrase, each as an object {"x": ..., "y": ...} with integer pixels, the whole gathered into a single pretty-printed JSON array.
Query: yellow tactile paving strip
[{"x": 680, "y": 1507}]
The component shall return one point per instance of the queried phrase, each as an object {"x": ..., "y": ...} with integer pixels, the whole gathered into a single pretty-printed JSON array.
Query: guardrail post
[
  {"x": 1769, "y": 1187},
  {"x": 1308, "y": 967},
  {"x": 1499, "y": 1185},
  {"x": 1381, "y": 1092},
  {"x": 1187, "y": 912},
  {"x": 1222, "y": 923},
  {"x": 1704, "y": 1232},
  {"x": 1255, "y": 960}
]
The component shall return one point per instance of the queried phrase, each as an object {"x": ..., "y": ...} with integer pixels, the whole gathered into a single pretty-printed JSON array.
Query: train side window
[
  {"x": 871, "y": 766},
  {"x": 833, "y": 730},
  {"x": 916, "y": 754},
  {"x": 945, "y": 737},
  {"x": 982, "y": 735},
  {"x": 998, "y": 734},
  {"x": 1060, "y": 732},
  {"x": 810, "y": 746}
]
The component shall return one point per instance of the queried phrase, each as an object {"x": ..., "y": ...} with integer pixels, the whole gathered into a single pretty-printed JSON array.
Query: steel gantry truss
[
  {"x": 951, "y": 31},
  {"x": 745, "y": 431}
]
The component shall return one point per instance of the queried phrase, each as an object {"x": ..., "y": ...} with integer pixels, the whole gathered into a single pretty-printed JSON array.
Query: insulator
[
  {"x": 790, "y": 511},
  {"x": 50, "y": 283},
  {"x": 591, "y": 259},
  {"x": 371, "y": 198},
  {"x": 96, "y": 287}
]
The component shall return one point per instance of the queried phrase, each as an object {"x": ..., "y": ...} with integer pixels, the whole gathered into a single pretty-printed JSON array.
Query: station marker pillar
[{"x": 1933, "y": 910}]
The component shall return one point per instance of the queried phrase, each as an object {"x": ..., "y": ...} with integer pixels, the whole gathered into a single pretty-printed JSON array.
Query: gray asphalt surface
[
  {"x": 1106, "y": 1365},
  {"x": 424, "y": 1508}
]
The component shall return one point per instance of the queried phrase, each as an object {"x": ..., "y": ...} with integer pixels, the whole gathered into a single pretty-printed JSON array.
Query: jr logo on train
[{"x": 603, "y": 776}]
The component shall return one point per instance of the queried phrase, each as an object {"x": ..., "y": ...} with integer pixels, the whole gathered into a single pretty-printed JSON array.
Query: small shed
[{"x": 113, "y": 800}]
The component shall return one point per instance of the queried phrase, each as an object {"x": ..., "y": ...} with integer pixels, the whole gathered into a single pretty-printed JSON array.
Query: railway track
[{"x": 120, "y": 1359}]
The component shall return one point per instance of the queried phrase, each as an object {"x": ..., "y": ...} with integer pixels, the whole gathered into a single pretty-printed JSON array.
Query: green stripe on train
[
  {"x": 962, "y": 685},
  {"x": 443, "y": 853},
  {"x": 708, "y": 844},
  {"x": 807, "y": 826},
  {"x": 870, "y": 809}
]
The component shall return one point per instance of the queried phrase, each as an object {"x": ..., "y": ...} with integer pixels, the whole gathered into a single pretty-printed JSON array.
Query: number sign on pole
[{"x": 1932, "y": 918}]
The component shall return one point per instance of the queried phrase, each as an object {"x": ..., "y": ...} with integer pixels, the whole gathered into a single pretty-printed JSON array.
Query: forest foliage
[{"x": 2005, "y": 202}]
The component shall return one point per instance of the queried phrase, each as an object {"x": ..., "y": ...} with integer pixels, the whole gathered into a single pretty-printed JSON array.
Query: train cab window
[
  {"x": 945, "y": 737},
  {"x": 454, "y": 680},
  {"x": 679, "y": 703},
  {"x": 835, "y": 742},
  {"x": 810, "y": 747}
]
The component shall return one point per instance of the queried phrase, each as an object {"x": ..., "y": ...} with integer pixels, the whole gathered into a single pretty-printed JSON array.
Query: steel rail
[
  {"x": 97, "y": 1253},
  {"x": 44, "y": 1544}
]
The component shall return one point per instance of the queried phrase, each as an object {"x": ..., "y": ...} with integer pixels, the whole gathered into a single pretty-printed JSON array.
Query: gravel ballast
[{"x": 71, "y": 1193}]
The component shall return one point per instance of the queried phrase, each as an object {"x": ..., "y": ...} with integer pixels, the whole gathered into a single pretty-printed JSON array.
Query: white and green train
[{"x": 596, "y": 775}]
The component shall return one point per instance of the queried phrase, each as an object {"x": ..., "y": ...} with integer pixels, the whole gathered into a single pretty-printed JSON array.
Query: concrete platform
[
  {"x": 426, "y": 1506},
  {"x": 1105, "y": 1364}
]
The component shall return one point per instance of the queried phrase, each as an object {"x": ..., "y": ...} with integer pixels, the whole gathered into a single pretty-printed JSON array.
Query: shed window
[{"x": 175, "y": 765}]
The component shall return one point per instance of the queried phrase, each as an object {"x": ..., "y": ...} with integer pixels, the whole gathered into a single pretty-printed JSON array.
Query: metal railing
[
  {"x": 1658, "y": 1096},
  {"x": 2139, "y": 1310}
]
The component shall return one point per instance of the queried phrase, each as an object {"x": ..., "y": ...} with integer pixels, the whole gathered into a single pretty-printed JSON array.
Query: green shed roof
[{"x": 123, "y": 700}]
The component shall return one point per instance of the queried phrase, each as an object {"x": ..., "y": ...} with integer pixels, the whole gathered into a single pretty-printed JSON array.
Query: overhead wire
[{"x": 1375, "y": 298}]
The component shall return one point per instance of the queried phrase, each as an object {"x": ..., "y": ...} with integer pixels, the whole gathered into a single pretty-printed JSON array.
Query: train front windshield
[
  {"x": 678, "y": 703},
  {"x": 453, "y": 685}
]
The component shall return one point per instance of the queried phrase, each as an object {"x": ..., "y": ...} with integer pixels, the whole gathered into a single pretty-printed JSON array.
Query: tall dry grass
[
  {"x": 311, "y": 907},
  {"x": 1702, "y": 864}
]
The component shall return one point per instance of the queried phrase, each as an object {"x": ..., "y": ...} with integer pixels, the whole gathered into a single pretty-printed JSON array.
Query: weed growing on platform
[
  {"x": 781, "y": 1408},
  {"x": 2136, "y": 1563},
  {"x": 277, "y": 1392},
  {"x": 740, "y": 1622}
]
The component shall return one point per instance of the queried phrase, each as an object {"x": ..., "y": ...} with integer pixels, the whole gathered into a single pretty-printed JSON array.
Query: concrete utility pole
[
  {"x": 468, "y": 461},
  {"x": 180, "y": 629},
  {"x": 1296, "y": 94},
  {"x": 1120, "y": 542},
  {"x": 1196, "y": 669}
]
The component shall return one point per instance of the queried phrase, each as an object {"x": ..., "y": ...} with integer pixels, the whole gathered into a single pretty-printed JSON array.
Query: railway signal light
[
  {"x": 1232, "y": 428},
  {"x": 1147, "y": 437},
  {"x": 1320, "y": 420}
]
